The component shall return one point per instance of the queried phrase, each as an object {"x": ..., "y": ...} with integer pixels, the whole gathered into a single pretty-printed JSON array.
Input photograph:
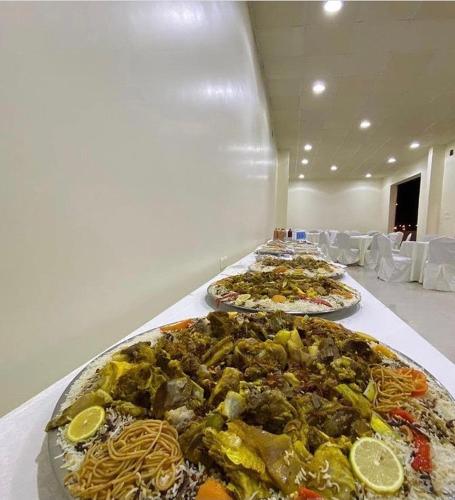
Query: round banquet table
[
  {"x": 362, "y": 243},
  {"x": 418, "y": 252},
  {"x": 313, "y": 237}
]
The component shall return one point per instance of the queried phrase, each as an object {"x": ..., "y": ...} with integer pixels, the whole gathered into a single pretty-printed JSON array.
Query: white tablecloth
[
  {"x": 362, "y": 243},
  {"x": 418, "y": 251},
  {"x": 25, "y": 471}
]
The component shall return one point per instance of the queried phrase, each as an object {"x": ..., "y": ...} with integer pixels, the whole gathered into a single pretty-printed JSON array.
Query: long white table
[{"x": 25, "y": 471}]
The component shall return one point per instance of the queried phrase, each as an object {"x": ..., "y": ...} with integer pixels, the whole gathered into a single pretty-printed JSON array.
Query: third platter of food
[
  {"x": 277, "y": 247},
  {"x": 301, "y": 265},
  {"x": 271, "y": 291},
  {"x": 254, "y": 406}
]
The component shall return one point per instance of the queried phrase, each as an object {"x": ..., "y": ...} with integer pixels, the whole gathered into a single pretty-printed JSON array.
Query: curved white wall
[
  {"x": 343, "y": 205},
  {"x": 135, "y": 152}
]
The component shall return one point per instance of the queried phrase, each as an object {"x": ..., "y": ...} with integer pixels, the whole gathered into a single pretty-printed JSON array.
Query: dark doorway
[{"x": 407, "y": 207}]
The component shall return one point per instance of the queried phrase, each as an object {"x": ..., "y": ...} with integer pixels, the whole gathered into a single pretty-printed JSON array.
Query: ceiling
[{"x": 392, "y": 63}]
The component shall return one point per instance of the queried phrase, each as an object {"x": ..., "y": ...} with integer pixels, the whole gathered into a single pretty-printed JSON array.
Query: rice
[{"x": 299, "y": 306}]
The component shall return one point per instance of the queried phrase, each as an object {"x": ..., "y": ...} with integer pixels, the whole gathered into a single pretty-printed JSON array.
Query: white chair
[
  {"x": 342, "y": 250},
  {"x": 396, "y": 238},
  {"x": 372, "y": 255},
  {"x": 354, "y": 233},
  {"x": 392, "y": 267},
  {"x": 429, "y": 237},
  {"x": 439, "y": 270},
  {"x": 324, "y": 245},
  {"x": 332, "y": 235}
]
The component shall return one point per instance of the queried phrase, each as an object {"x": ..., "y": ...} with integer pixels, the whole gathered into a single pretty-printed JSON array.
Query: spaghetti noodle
[
  {"x": 393, "y": 387},
  {"x": 144, "y": 455}
]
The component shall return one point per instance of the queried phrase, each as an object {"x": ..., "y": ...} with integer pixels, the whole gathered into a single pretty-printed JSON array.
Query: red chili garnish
[
  {"x": 403, "y": 414},
  {"x": 319, "y": 301},
  {"x": 307, "y": 494},
  {"x": 422, "y": 458}
]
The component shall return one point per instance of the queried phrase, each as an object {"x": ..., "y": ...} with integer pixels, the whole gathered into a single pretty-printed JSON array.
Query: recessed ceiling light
[
  {"x": 365, "y": 124},
  {"x": 333, "y": 168},
  {"x": 414, "y": 145},
  {"x": 333, "y": 6},
  {"x": 368, "y": 176},
  {"x": 318, "y": 87},
  {"x": 301, "y": 176},
  {"x": 392, "y": 159},
  {"x": 304, "y": 161},
  {"x": 308, "y": 147}
]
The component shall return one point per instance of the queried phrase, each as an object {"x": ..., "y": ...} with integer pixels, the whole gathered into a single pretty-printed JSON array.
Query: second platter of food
[{"x": 271, "y": 291}]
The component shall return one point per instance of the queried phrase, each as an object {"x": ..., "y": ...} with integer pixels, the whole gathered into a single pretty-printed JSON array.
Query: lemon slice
[
  {"x": 376, "y": 465},
  {"x": 85, "y": 424}
]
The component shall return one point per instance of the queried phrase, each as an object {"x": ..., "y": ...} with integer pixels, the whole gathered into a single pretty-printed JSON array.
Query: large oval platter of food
[
  {"x": 271, "y": 291},
  {"x": 254, "y": 406},
  {"x": 300, "y": 266}
]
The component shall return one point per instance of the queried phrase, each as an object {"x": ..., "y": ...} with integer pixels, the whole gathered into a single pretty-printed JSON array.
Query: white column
[{"x": 434, "y": 180}]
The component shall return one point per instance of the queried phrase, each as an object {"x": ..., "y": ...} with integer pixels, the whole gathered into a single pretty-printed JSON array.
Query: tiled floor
[{"x": 430, "y": 313}]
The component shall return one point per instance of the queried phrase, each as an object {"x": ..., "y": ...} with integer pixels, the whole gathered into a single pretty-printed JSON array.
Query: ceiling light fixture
[
  {"x": 304, "y": 161},
  {"x": 318, "y": 87},
  {"x": 301, "y": 176},
  {"x": 308, "y": 147},
  {"x": 414, "y": 145},
  {"x": 392, "y": 159},
  {"x": 368, "y": 175},
  {"x": 333, "y": 168},
  {"x": 365, "y": 124},
  {"x": 333, "y": 6}
]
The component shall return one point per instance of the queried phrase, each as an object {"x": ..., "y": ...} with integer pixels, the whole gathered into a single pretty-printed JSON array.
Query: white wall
[
  {"x": 447, "y": 218},
  {"x": 282, "y": 185},
  {"x": 343, "y": 205},
  {"x": 135, "y": 152}
]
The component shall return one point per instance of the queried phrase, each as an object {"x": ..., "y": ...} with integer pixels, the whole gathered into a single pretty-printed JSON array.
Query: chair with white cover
[
  {"x": 429, "y": 237},
  {"x": 396, "y": 238},
  {"x": 372, "y": 255},
  {"x": 439, "y": 270},
  {"x": 332, "y": 235},
  {"x": 324, "y": 245},
  {"x": 392, "y": 267},
  {"x": 342, "y": 250}
]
